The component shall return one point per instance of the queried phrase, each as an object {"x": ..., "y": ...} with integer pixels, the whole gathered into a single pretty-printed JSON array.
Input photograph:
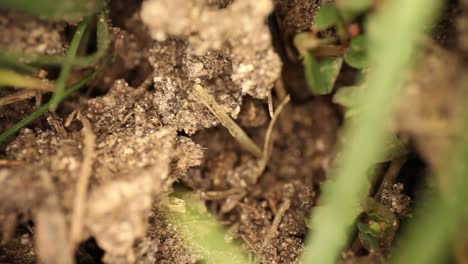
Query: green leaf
[
  {"x": 356, "y": 55},
  {"x": 321, "y": 75},
  {"x": 202, "y": 232},
  {"x": 366, "y": 229},
  {"x": 327, "y": 16},
  {"x": 68, "y": 10}
]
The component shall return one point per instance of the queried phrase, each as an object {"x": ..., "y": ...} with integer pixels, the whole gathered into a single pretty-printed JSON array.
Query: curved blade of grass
[
  {"x": 22, "y": 59},
  {"x": 430, "y": 235},
  {"x": 391, "y": 52},
  {"x": 43, "y": 109},
  {"x": 67, "y": 64},
  {"x": 68, "y": 10}
]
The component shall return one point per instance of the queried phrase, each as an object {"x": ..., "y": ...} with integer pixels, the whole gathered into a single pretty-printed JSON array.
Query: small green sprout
[{"x": 323, "y": 57}]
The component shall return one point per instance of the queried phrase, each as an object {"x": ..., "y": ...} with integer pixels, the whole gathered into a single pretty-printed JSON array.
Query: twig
[
  {"x": 15, "y": 97},
  {"x": 268, "y": 142},
  {"x": 10, "y": 163},
  {"x": 391, "y": 174},
  {"x": 273, "y": 230},
  {"x": 271, "y": 109},
  {"x": 89, "y": 140},
  {"x": 330, "y": 51},
  {"x": 280, "y": 89},
  {"x": 38, "y": 100},
  {"x": 237, "y": 132}
]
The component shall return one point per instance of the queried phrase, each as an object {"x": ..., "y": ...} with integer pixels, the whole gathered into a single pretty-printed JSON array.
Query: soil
[{"x": 138, "y": 130}]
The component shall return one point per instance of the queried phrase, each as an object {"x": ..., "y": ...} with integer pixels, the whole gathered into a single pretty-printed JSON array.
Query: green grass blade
[
  {"x": 391, "y": 52},
  {"x": 67, "y": 65},
  {"x": 103, "y": 40},
  {"x": 43, "y": 109},
  {"x": 9, "y": 61}
]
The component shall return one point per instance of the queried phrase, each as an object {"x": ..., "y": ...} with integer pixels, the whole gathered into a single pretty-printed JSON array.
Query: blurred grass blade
[
  {"x": 43, "y": 109},
  {"x": 9, "y": 61},
  {"x": 103, "y": 40},
  {"x": 391, "y": 52},
  {"x": 68, "y": 10},
  {"x": 14, "y": 79},
  {"x": 67, "y": 64},
  {"x": 204, "y": 233}
]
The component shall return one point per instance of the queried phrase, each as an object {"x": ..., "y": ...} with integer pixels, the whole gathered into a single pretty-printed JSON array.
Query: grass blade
[
  {"x": 43, "y": 109},
  {"x": 9, "y": 61},
  {"x": 67, "y": 64},
  {"x": 204, "y": 233},
  {"x": 391, "y": 52}
]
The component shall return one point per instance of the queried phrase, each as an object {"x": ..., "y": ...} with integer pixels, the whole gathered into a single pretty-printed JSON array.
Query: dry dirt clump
[
  {"x": 129, "y": 57},
  {"x": 227, "y": 50},
  {"x": 163, "y": 244},
  {"x": 296, "y": 16},
  {"x": 133, "y": 162},
  {"x": 25, "y": 33}
]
